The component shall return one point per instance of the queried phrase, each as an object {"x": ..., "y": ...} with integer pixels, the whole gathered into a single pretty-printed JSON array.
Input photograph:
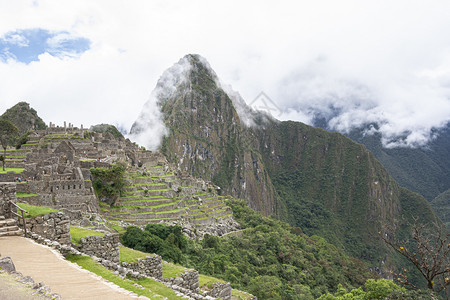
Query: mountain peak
[{"x": 24, "y": 117}]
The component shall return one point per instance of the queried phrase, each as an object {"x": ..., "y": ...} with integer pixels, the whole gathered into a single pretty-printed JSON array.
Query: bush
[
  {"x": 108, "y": 183},
  {"x": 23, "y": 139}
]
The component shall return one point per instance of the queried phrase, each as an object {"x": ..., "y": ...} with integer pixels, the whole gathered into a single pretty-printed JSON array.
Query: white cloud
[
  {"x": 379, "y": 61},
  {"x": 16, "y": 39}
]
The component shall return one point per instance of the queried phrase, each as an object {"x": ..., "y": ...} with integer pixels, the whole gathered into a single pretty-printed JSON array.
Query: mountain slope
[
  {"x": 24, "y": 117},
  {"x": 423, "y": 170},
  {"x": 441, "y": 205},
  {"x": 206, "y": 137},
  {"x": 321, "y": 181}
]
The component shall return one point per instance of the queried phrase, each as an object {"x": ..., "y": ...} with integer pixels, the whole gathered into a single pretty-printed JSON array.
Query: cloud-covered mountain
[{"x": 320, "y": 181}]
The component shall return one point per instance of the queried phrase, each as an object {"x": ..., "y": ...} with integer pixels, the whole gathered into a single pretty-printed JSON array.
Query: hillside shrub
[
  {"x": 269, "y": 259},
  {"x": 109, "y": 182}
]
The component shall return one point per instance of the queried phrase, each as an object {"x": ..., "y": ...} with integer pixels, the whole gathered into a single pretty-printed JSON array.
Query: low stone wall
[
  {"x": 220, "y": 290},
  {"x": 150, "y": 266},
  {"x": 54, "y": 226},
  {"x": 7, "y": 193},
  {"x": 106, "y": 247},
  {"x": 188, "y": 280},
  {"x": 8, "y": 177}
]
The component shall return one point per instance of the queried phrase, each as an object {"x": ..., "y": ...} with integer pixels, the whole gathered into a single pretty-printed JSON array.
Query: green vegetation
[
  {"x": 17, "y": 170},
  {"x": 208, "y": 280},
  {"x": 115, "y": 225},
  {"x": 8, "y": 131},
  {"x": 130, "y": 255},
  {"x": 167, "y": 241},
  {"x": 441, "y": 205},
  {"x": 151, "y": 288},
  {"x": 270, "y": 259},
  {"x": 423, "y": 170},
  {"x": 109, "y": 182},
  {"x": 102, "y": 128},
  {"x": 77, "y": 233},
  {"x": 34, "y": 211},
  {"x": 373, "y": 289},
  {"x": 24, "y": 117},
  {"x": 171, "y": 270},
  {"x": 240, "y": 295},
  {"x": 21, "y": 195},
  {"x": 24, "y": 138}
]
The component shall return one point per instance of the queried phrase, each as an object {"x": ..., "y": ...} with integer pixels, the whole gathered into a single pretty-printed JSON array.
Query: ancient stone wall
[
  {"x": 8, "y": 177},
  {"x": 220, "y": 290},
  {"x": 67, "y": 187},
  {"x": 7, "y": 193},
  {"x": 150, "y": 266},
  {"x": 31, "y": 186},
  {"x": 106, "y": 247},
  {"x": 188, "y": 280},
  {"x": 54, "y": 226}
]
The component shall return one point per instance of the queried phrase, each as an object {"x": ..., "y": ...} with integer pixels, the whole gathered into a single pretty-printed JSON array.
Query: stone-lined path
[{"x": 64, "y": 278}]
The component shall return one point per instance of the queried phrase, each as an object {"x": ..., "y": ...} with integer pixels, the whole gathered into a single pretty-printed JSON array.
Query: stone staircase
[{"x": 8, "y": 227}]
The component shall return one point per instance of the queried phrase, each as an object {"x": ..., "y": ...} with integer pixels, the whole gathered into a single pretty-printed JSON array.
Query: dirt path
[{"x": 63, "y": 277}]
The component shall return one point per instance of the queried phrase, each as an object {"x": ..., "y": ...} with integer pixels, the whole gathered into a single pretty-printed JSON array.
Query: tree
[
  {"x": 7, "y": 132},
  {"x": 428, "y": 249}
]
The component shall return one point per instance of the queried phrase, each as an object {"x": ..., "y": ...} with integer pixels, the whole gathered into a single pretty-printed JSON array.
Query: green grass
[
  {"x": 172, "y": 270},
  {"x": 208, "y": 280},
  {"x": 240, "y": 295},
  {"x": 150, "y": 184},
  {"x": 115, "y": 225},
  {"x": 130, "y": 255},
  {"x": 153, "y": 289},
  {"x": 20, "y": 194},
  {"x": 170, "y": 211},
  {"x": 34, "y": 211},
  {"x": 17, "y": 170},
  {"x": 76, "y": 233}
]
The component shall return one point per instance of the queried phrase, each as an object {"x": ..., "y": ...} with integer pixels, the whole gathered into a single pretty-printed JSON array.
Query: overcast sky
[{"x": 90, "y": 62}]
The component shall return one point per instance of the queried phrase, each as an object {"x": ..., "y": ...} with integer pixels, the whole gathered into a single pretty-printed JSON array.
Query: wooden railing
[{"x": 11, "y": 213}]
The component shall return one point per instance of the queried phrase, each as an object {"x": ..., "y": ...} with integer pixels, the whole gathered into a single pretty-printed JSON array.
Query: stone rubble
[{"x": 7, "y": 265}]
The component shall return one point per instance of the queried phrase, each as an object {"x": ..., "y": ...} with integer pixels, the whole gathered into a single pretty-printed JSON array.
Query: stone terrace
[{"x": 156, "y": 194}]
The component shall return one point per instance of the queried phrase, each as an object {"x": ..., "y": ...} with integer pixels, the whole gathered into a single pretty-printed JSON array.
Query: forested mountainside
[
  {"x": 424, "y": 170},
  {"x": 441, "y": 205},
  {"x": 321, "y": 181}
]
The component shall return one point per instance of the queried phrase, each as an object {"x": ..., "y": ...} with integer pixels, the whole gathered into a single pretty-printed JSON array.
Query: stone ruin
[
  {"x": 58, "y": 161},
  {"x": 57, "y": 174}
]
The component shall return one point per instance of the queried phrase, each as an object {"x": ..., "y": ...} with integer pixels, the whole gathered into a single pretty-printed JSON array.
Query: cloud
[
  {"x": 149, "y": 128},
  {"x": 349, "y": 62}
]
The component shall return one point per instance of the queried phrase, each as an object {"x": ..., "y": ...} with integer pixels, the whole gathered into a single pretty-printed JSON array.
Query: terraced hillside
[{"x": 156, "y": 194}]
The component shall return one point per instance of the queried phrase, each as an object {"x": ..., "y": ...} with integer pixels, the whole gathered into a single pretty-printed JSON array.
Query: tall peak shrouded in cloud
[
  {"x": 205, "y": 129},
  {"x": 192, "y": 72},
  {"x": 319, "y": 181}
]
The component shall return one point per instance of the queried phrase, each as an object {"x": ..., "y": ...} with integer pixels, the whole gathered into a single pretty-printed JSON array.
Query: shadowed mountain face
[{"x": 320, "y": 181}]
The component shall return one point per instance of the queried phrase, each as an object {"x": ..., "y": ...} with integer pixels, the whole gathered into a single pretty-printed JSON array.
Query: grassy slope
[
  {"x": 34, "y": 211},
  {"x": 77, "y": 233}
]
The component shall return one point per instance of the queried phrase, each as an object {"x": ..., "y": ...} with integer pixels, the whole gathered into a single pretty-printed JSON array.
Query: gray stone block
[{"x": 7, "y": 264}]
